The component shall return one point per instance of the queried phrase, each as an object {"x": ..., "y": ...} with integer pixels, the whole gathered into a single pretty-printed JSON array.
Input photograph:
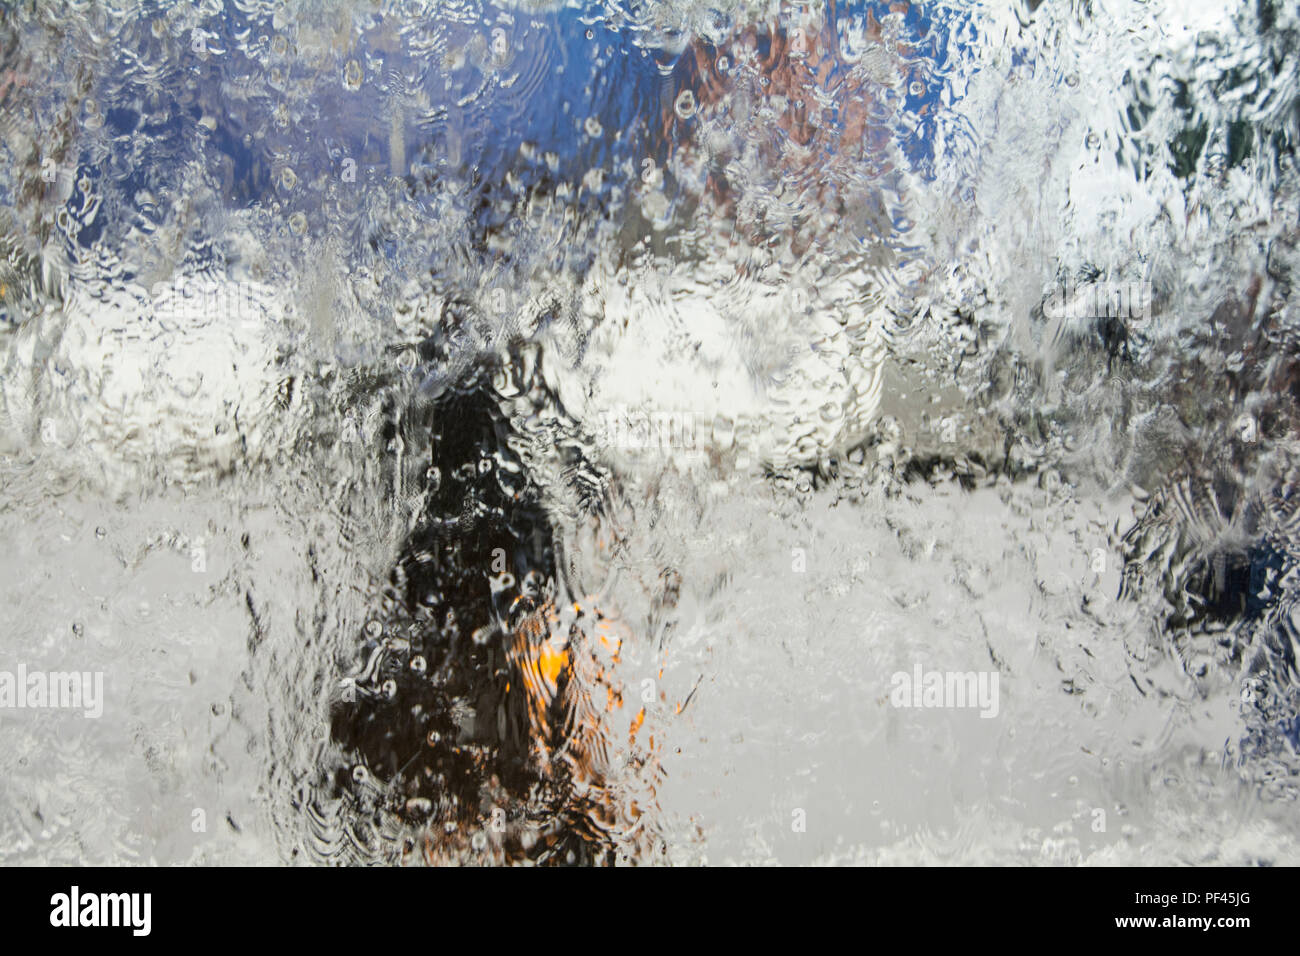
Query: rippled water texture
[{"x": 471, "y": 433}]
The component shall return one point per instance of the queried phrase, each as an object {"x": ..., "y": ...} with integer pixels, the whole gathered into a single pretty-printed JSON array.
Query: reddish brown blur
[{"x": 804, "y": 66}]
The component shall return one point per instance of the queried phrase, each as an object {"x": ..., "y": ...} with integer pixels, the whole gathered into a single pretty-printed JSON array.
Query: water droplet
[
  {"x": 685, "y": 104},
  {"x": 593, "y": 127},
  {"x": 352, "y": 76},
  {"x": 389, "y": 688},
  {"x": 917, "y": 88},
  {"x": 360, "y": 775},
  {"x": 418, "y": 664}
]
